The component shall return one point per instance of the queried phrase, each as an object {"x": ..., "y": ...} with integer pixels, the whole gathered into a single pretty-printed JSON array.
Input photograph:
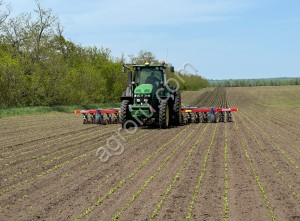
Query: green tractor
[{"x": 149, "y": 99}]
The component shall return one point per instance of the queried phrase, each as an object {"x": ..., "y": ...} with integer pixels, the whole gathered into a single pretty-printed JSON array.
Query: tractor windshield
[{"x": 148, "y": 76}]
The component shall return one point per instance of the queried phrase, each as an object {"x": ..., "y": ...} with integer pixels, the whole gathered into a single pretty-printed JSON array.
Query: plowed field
[{"x": 248, "y": 169}]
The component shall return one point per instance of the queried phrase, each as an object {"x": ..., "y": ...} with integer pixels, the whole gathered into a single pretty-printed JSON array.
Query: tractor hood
[{"x": 144, "y": 89}]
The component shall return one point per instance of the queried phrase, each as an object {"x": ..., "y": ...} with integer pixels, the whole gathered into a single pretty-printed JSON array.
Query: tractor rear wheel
[
  {"x": 124, "y": 113},
  {"x": 177, "y": 110},
  {"x": 164, "y": 114}
]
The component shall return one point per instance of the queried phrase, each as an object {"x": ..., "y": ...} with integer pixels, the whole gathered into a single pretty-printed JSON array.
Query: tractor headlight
[
  {"x": 138, "y": 100},
  {"x": 146, "y": 100}
]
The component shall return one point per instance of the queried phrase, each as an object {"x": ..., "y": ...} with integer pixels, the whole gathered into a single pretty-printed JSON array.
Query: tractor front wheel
[
  {"x": 177, "y": 110},
  {"x": 124, "y": 113},
  {"x": 164, "y": 115}
]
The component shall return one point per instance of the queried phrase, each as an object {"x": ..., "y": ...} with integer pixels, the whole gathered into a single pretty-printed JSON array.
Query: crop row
[
  {"x": 59, "y": 149},
  {"x": 268, "y": 159},
  {"x": 135, "y": 171},
  {"x": 226, "y": 177},
  {"x": 12, "y": 146},
  {"x": 200, "y": 178},
  {"x": 70, "y": 149},
  {"x": 14, "y": 123},
  {"x": 176, "y": 177},
  {"x": 263, "y": 150},
  {"x": 275, "y": 145},
  {"x": 265, "y": 118},
  {"x": 34, "y": 134},
  {"x": 255, "y": 173},
  {"x": 47, "y": 142},
  {"x": 277, "y": 131},
  {"x": 146, "y": 183},
  {"x": 56, "y": 167}
]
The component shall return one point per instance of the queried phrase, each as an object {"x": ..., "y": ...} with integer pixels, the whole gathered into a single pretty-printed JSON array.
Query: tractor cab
[
  {"x": 148, "y": 98},
  {"x": 154, "y": 75}
]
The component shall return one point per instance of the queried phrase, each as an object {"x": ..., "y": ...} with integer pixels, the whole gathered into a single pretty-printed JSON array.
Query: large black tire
[
  {"x": 164, "y": 114},
  {"x": 177, "y": 110},
  {"x": 124, "y": 113}
]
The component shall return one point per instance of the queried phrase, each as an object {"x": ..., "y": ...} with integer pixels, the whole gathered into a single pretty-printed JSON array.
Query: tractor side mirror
[
  {"x": 129, "y": 77},
  {"x": 172, "y": 69},
  {"x": 123, "y": 69}
]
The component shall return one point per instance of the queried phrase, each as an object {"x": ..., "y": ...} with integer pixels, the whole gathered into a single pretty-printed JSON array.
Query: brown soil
[{"x": 49, "y": 169}]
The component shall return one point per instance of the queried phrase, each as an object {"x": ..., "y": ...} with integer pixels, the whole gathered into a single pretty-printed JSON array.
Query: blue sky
[{"x": 223, "y": 39}]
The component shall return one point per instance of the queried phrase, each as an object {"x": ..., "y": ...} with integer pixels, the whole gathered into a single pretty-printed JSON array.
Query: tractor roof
[{"x": 147, "y": 65}]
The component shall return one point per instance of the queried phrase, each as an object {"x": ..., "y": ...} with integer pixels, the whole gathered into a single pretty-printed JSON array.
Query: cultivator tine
[
  {"x": 189, "y": 118},
  {"x": 182, "y": 118},
  {"x": 204, "y": 117},
  {"x": 196, "y": 118},
  {"x": 85, "y": 118},
  {"x": 99, "y": 116},
  {"x": 221, "y": 117},
  {"x": 93, "y": 118},
  {"x": 229, "y": 116},
  {"x": 109, "y": 120},
  {"x": 115, "y": 119}
]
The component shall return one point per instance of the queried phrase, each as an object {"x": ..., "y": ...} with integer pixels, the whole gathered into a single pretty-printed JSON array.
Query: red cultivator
[
  {"x": 204, "y": 115},
  {"x": 188, "y": 115},
  {"x": 100, "y": 116}
]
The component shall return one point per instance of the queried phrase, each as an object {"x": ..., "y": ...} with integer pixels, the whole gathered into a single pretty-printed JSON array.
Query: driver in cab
[{"x": 152, "y": 79}]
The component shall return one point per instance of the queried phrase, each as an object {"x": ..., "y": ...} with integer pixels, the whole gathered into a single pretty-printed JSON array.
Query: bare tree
[
  {"x": 43, "y": 28},
  {"x": 4, "y": 14}
]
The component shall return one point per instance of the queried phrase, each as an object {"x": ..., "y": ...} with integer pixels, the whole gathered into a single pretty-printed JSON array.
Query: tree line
[
  {"x": 39, "y": 66},
  {"x": 254, "y": 82}
]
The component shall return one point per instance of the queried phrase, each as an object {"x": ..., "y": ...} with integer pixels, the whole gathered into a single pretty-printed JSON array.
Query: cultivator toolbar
[
  {"x": 205, "y": 115},
  {"x": 188, "y": 115},
  {"x": 100, "y": 116}
]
